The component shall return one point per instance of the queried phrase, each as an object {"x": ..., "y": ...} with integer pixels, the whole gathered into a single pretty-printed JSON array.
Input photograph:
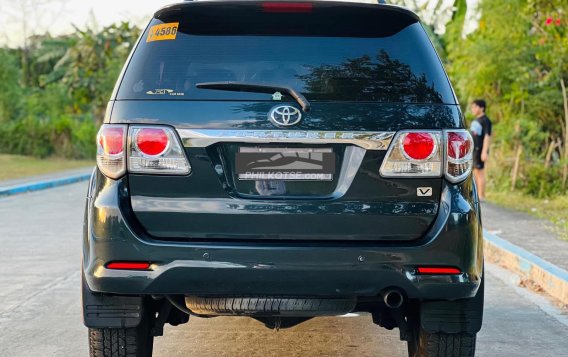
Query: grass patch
[
  {"x": 554, "y": 209},
  {"x": 16, "y": 166}
]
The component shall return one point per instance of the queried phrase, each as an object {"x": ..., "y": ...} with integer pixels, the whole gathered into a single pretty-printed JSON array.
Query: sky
[{"x": 59, "y": 16}]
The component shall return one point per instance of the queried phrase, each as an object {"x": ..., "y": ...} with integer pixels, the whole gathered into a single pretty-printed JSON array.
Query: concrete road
[{"x": 40, "y": 242}]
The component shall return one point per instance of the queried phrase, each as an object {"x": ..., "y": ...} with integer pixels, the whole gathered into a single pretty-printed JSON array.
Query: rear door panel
[{"x": 211, "y": 203}]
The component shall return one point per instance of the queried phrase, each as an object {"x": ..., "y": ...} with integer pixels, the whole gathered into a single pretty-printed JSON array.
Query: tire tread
[
  {"x": 447, "y": 344},
  {"x": 272, "y": 305},
  {"x": 113, "y": 342}
]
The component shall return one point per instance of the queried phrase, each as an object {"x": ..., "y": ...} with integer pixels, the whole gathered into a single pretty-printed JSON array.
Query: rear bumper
[{"x": 280, "y": 269}]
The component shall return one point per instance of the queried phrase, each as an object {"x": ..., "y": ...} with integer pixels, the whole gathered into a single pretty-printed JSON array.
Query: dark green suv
[{"x": 282, "y": 161}]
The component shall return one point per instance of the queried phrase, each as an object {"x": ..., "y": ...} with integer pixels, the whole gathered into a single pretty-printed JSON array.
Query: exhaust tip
[{"x": 393, "y": 299}]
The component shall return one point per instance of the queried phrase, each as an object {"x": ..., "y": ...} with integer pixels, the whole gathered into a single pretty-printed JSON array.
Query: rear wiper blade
[{"x": 257, "y": 88}]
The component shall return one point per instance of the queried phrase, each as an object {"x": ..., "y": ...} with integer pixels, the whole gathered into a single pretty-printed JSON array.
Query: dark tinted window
[{"x": 396, "y": 64}]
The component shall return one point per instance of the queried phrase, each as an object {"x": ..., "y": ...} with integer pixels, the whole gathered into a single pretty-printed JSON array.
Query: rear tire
[
  {"x": 122, "y": 342},
  {"x": 442, "y": 344}
]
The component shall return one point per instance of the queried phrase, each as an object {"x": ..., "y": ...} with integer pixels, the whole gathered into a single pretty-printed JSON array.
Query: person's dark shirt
[{"x": 479, "y": 128}]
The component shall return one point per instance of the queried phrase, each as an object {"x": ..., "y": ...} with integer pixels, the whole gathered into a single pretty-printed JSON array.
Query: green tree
[
  {"x": 69, "y": 80},
  {"x": 517, "y": 61},
  {"x": 10, "y": 92},
  {"x": 91, "y": 65}
]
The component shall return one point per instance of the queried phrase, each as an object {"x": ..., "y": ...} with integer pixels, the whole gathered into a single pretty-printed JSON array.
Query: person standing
[{"x": 481, "y": 131}]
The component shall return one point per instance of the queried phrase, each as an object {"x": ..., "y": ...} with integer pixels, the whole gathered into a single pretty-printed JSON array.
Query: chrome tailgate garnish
[{"x": 369, "y": 140}]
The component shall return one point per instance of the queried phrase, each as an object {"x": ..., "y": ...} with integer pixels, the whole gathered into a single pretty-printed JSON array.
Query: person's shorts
[{"x": 477, "y": 163}]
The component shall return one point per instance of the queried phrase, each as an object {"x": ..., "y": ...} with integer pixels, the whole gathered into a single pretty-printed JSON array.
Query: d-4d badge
[{"x": 277, "y": 96}]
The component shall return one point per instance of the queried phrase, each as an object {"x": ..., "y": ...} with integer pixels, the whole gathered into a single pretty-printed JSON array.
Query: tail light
[
  {"x": 429, "y": 153},
  {"x": 151, "y": 149},
  {"x": 156, "y": 150},
  {"x": 111, "y": 141},
  {"x": 414, "y": 154},
  {"x": 459, "y": 158}
]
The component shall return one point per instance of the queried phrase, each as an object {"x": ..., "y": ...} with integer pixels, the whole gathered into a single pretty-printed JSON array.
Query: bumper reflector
[
  {"x": 438, "y": 270},
  {"x": 128, "y": 266}
]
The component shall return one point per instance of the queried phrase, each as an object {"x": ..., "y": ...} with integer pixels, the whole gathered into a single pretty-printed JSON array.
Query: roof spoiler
[
  {"x": 320, "y": 4},
  {"x": 382, "y": 2}
]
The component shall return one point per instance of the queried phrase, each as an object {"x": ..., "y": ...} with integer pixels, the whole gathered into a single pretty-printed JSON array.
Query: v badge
[{"x": 424, "y": 191}]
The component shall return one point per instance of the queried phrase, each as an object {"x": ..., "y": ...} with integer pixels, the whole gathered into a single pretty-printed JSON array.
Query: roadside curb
[
  {"x": 42, "y": 185},
  {"x": 552, "y": 279}
]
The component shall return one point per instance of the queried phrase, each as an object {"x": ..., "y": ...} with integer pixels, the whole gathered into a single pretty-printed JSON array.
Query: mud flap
[
  {"x": 110, "y": 311},
  {"x": 453, "y": 316}
]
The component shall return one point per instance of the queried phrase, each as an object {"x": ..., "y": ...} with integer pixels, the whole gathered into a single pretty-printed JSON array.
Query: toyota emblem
[{"x": 285, "y": 115}]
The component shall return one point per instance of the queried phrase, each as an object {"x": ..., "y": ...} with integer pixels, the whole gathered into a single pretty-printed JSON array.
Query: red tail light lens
[
  {"x": 459, "y": 145},
  {"x": 152, "y": 141},
  {"x": 418, "y": 146},
  {"x": 287, "y": 7},
  {"x": 111, "y": 140}
]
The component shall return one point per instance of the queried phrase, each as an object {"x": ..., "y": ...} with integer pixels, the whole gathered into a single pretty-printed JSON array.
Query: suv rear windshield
[{"x": 331, "y": 53}]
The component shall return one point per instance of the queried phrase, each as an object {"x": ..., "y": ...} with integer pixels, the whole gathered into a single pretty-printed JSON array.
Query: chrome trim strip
[
  {"x": 352, "y": 160},
  {"x": 368, "y": 140}
]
